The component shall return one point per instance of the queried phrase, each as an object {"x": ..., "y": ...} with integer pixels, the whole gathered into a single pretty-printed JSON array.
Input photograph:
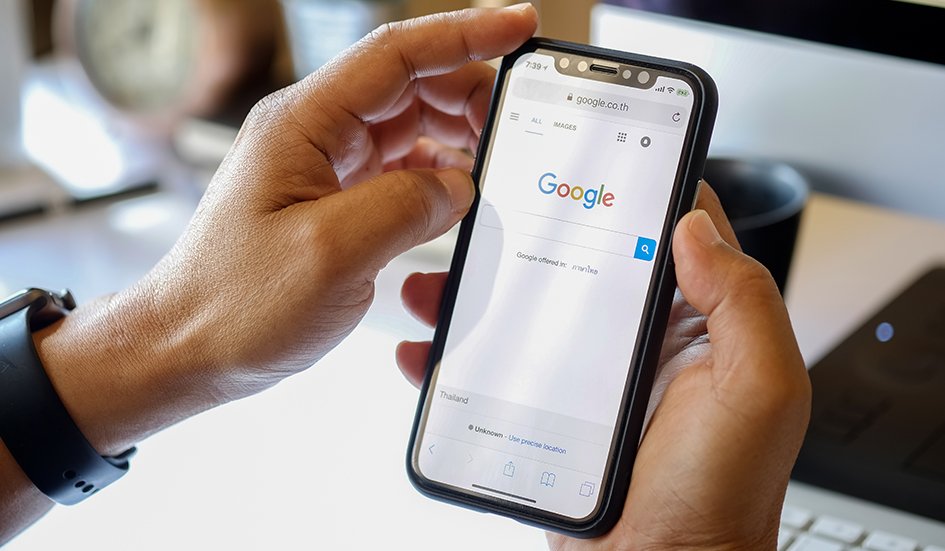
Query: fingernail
[
  {"x": 519, "y": 7},
  {"x": 703, "y": 229},
  {"x": 459, "y": 186}
]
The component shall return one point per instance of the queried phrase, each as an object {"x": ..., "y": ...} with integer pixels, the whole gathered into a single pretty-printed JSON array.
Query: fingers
[
  {"x": 430, "y": 154},
  {"x": 449, "y": 108},
  {"x": 734, "y": 418},
  {"x": 464, "y": 92},
  {"x": 422, "y": 295},
  {"x": 382, "y": 64},
  {"x": 412, "y": 360},
  {"x": 362, "y": 228},
  {"x": 708, "y": 201},
  {"x": 395, "y": 137},
  {"x": 371, "y": 77},
  {"x": 451, "y": 130},
  {"x": 747, "y": 319}
]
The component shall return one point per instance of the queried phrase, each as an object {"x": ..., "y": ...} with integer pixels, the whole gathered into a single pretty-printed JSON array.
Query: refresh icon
[{"x": 677, "y": 116}]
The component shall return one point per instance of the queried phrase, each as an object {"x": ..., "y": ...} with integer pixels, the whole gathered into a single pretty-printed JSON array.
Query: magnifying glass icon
[{"x": 644, "y": 249}]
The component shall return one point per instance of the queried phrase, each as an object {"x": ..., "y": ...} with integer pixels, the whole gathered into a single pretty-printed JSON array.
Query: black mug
[{"x": 763, "y": 201}]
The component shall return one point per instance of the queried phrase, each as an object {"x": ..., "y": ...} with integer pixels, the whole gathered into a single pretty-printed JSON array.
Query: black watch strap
[{"x": 36, "y": 427}]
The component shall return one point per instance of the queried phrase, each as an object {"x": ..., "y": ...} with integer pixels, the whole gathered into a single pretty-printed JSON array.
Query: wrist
[
  {"x": 694, "y": 540},
  {"x": 122, "y": 370}
]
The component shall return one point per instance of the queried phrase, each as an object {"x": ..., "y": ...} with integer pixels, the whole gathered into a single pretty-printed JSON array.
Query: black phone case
[{"x": 656, "y": 311}]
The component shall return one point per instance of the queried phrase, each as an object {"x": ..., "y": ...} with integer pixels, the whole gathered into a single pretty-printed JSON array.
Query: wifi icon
[{"x": 670, "y": 89}]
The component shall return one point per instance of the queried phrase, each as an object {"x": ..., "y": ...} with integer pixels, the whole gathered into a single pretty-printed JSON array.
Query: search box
[
  {"x": 569, "y": 233},
  {"x": 673, "y": 116}
]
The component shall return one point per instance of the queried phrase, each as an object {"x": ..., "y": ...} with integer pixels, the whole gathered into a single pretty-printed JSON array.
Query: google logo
[{"x": 590, "y": 197}]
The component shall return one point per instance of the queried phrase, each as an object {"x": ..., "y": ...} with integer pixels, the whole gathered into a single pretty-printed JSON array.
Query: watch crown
[{"x": 68, "y": 301}]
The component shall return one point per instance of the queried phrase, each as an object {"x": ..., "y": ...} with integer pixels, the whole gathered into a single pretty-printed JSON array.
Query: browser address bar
[
  {"x": 674, "y": 116},
  {"x": 569, "y": 233}
]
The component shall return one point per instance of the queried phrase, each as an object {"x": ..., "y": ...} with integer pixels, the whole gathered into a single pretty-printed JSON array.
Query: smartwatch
[{"x": 34, "y": 424}]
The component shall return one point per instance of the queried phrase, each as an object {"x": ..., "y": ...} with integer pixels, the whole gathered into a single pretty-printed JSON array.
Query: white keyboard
[{"x": 816, "y": 520}]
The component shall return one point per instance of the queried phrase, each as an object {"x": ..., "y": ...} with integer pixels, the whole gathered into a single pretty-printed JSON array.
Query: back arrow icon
[{"x": 431, "y": 448}]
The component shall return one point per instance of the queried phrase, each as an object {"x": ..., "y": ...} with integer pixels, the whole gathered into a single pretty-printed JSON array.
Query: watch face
[{"x": 138, "y": 53}]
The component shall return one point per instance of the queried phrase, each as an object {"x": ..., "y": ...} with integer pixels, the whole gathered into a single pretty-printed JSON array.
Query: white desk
[{"x": 318, "y": 461}]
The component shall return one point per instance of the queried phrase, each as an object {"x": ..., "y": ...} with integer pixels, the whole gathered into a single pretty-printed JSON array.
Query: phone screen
[{"x": 575, "y": 191}]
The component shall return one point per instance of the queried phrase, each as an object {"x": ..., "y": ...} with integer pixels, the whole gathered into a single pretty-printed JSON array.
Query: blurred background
[{"x": 114, "y": 115}]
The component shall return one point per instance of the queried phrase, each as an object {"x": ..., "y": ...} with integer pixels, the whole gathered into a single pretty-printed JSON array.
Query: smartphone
[{"x": 561, "y": 285}]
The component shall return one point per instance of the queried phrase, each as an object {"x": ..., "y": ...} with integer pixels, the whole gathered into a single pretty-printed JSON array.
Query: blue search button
[{"x": 645, "y": 250}]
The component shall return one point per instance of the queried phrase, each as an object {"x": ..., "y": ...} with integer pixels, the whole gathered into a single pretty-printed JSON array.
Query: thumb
[
  {"x": 746, "y": 317},
  {"x": 721, "y": 445},
  {"x": 378, "y": 219}
]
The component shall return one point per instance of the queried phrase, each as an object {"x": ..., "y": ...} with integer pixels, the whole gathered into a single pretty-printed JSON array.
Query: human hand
[
  {"x": 328, "y": 180},
  {"x": 729, "y": 407}
]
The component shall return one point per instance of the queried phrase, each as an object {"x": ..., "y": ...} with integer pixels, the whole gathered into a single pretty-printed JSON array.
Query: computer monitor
[{"x": 851, "y": 92}]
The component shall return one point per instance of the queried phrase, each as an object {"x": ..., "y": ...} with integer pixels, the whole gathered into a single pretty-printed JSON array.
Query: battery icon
[{"x": 682, "y": 92}]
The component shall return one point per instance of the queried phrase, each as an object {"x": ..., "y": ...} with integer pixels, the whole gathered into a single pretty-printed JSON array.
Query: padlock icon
[{"x": 570, "y": 96}]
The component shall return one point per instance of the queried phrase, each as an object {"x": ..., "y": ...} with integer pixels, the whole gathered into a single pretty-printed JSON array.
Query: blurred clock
[
  {"x": 140, "y": 54},
  {"x": 166, "y": 57}
]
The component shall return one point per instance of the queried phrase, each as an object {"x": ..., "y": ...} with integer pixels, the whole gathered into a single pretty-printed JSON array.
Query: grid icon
[{"x": 621, "y": 137}]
